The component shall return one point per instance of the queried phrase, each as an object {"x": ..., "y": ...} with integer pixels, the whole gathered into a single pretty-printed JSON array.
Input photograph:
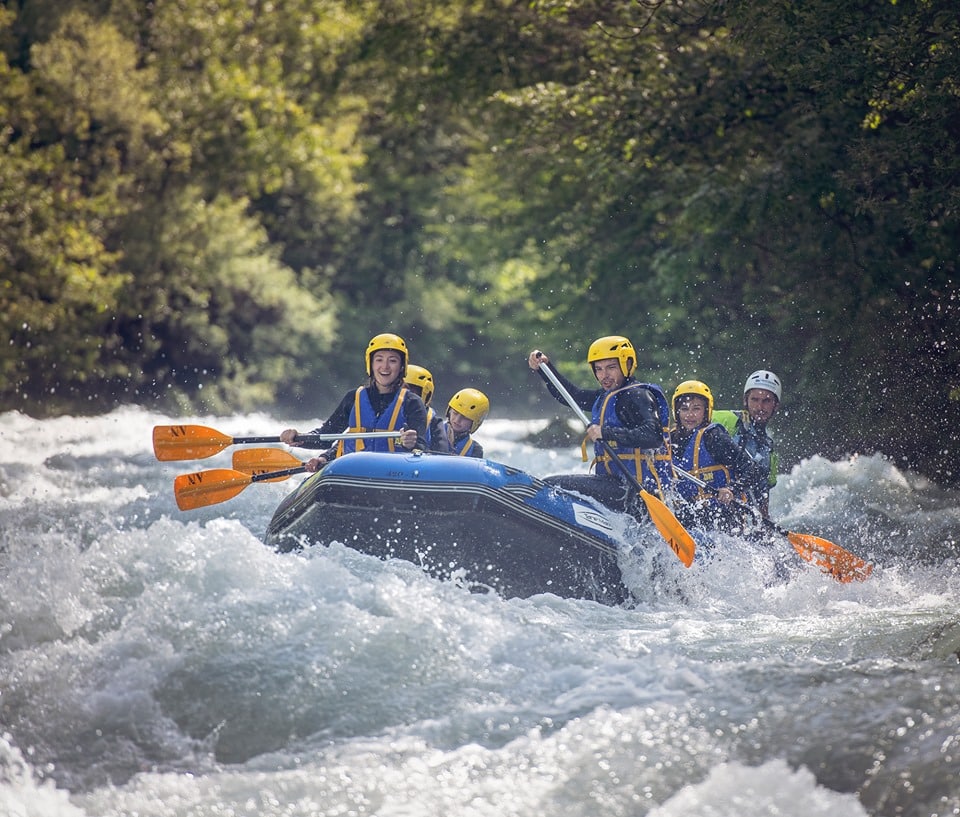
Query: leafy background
[{"x": 212, "y": 205}]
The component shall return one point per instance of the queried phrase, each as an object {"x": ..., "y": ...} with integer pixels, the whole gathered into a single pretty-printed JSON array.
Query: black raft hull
[{"x": 481, "y": 522}]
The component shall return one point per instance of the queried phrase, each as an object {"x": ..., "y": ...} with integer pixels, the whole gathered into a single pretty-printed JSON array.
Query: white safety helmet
[{"x": 762, "y": 379}]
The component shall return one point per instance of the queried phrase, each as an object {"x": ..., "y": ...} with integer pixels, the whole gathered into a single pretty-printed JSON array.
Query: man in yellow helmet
[
  {"x": 632, "y": 418},
  {"x": 465, "y": 413},
  {"x": 384, "y": 404},
  {"x": 704, "y": 450}
]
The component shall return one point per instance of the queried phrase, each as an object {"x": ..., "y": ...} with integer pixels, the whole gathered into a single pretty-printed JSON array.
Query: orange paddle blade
[
  {"x": 204, "y": 488},
  {"x": 840, "y": 563},
  {"x": 186, "y": 442},
  {"x": 263, "y": 460},
  {"x": 675, "y": 534}
]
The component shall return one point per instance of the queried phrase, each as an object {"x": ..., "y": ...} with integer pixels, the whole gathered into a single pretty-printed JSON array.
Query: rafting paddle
[
  {"x": 188, "y": 442},
  {"x": 262, "y": 460},
  {"x": 840, "y": 563},
  {"x": 675, "y": 535},
  {"x": 204, "y": 488}
]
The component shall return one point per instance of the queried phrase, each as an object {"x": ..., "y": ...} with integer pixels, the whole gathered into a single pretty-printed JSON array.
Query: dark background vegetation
[{"x": 212, "y": 205}]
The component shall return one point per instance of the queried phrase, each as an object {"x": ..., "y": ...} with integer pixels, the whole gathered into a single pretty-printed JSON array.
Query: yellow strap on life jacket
[
  {"x": 650, "y": 459},
  {"x": 358, "y": 444},
  {"x": 706, "y": 473},
  {"x": 401, "y": 395}
]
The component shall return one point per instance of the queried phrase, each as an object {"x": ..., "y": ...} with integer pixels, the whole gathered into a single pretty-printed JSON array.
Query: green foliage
[
  {"x": 60, "y": 195},
  {"x": 217, "y": 318},
  {"x": 216, "y": 203}
]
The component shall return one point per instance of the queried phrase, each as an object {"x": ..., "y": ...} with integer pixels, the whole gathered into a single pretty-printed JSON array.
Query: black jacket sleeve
[
  {"x": 638, "y": 410},
  {"x": 585, "y": 398},
  {"x": 438, "y": 440}
]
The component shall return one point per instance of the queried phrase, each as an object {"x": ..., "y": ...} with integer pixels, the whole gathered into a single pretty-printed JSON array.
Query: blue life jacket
[
  {"x": 364, "y": 418},
  {"x": 431, "y": 414},
  {"x": 461, "y": 445},
  {"x": 650, "y": 467},
  {"x": 696, "y": 460}
]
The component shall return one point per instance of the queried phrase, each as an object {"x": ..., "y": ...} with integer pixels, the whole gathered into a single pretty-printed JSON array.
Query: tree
[{"x": 74, "y": 122}]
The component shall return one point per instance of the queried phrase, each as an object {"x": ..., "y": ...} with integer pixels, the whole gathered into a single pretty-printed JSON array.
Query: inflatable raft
[{"x": 488, "y": 525}]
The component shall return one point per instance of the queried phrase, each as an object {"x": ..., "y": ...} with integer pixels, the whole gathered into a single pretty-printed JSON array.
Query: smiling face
[
  {"x": 386, "y": 367},
  {"x": 608, "y": 373},
  {"x": 761, "y": 405},
  {"x": 691, "y": 411}
]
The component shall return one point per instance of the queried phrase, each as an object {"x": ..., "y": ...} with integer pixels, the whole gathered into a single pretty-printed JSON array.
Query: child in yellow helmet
[{"x": 465, "y": 413}]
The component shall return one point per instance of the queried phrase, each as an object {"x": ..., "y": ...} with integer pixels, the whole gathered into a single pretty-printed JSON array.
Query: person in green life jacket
[
  {"x": 704, "y": 449},
  {"x": 420, "y": 381},
  {"x": 384, "y": 404},
  {"x": 632, "y": 418},
  {"x": 762, "y": 393},
  {"x": 465, "y": 413}
]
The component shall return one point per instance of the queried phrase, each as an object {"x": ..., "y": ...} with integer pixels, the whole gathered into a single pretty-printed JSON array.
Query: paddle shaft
[
  {"x": 313, "y": 439},
  {"x": 286, "y": 472}
]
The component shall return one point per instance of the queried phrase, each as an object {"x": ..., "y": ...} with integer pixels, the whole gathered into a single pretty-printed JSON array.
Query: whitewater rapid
[{"x": 154, "y": 662}]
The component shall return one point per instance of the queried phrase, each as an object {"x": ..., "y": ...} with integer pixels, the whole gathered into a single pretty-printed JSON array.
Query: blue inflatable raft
[{"x": 490, "y": 525}]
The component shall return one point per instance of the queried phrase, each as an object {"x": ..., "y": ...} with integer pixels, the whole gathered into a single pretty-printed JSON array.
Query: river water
[{"x": 157, "y": 663}]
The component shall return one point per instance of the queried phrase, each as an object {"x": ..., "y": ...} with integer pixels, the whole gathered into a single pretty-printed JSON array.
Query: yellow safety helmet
[
  {"x": 614, "y": 346},
  {"x": 471, "y": 403},
  {"x": 696, "y": 387},
  {"x": 387, "y": 341},
  {"x": 422, "y": 379}
]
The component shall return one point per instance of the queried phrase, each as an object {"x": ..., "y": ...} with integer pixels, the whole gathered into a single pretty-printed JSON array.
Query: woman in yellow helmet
[
  {"x": 705, "y": 450},
  {"x": 632, "y": 418},
  {"x": 465, "y": 413},
  {"x": 384, "y": 404}
]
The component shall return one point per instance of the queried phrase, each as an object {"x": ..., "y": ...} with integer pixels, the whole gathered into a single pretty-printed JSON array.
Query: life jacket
[
  {"x": 364, "y": 418},
  {"x": 758, "y": 444},
  {"x": 650, "y": 467},
  {"x": 697, "y": 461},
  {"x": 461, "y": 446},
  {"x": 431, "y": 415}
]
